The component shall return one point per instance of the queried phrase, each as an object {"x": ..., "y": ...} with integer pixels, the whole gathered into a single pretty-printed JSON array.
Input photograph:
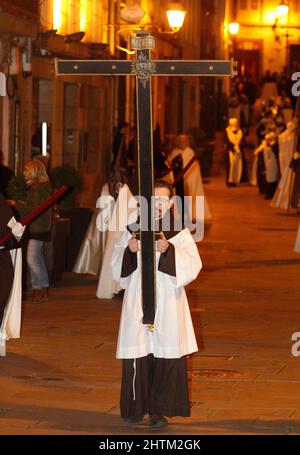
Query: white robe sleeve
[
  {"x": 117, "y": 260},
  {"x": 187, "y": 258}
]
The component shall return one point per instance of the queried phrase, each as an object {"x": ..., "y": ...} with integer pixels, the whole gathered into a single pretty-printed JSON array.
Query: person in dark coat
[{"x": 39, "y": 189}]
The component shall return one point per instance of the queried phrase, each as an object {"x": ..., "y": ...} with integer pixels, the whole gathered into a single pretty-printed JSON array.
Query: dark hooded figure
[
  {"x": 119, "y": 168},
  {"x": 160, "y": 167},
  {"x": 119, "y": 144},
  {"x": 295, "y": 165}
]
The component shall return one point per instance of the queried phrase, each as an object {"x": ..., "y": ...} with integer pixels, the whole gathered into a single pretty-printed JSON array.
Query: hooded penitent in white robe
[
  {"x": 90, "y": 254},
  {"x": 173, "y": 335},
  {"x": 235, "y": 155},
  {"x": 286, "y": 141},
  {"x": 115, "y": 226},
  {"x": 11, "y": 323},
  {"x": 283, "y": 193},
  {"x": 192, "y": 180},
  {"x": 270, "y": 162}
]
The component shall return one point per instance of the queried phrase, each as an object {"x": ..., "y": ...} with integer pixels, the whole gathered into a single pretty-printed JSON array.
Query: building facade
[
  {"x": 265, "y": 40},
  {"x": 82, "y": 112},
  {"x": 78, "y": 111}
]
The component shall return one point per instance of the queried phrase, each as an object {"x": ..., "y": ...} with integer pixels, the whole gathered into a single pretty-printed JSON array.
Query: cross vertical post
[
  {"x": 143, "y": 68},
  {"x": 142, "y": 42}
]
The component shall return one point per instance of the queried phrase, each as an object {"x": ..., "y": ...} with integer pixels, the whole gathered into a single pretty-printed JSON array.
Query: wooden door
[{"x": 249, "y": 63}]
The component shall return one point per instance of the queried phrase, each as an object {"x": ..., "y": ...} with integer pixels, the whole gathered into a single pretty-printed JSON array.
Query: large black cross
[{"x": 143, "y": 68}]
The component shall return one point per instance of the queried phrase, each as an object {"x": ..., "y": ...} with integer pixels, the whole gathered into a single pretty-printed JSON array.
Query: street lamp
[
  {"x": 176, "y": 15},
  {"x": 282, "y": 10},
  {"x": 234, "y": 28},
  {"x": 280, "y": 19}
]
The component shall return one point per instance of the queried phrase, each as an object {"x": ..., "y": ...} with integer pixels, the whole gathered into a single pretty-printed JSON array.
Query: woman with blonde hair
[{"x": 38, "y": 190}]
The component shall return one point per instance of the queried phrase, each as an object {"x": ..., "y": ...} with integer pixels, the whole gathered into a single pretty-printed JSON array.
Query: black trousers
[
  {"x": 6, "y": 280},
  {"x": 155, "y": 385}
]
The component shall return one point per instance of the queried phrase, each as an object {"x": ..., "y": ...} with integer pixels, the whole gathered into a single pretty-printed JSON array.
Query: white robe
[
  {"x": 271, "y": 164},
  {"x": 235, "y": 158},
  {"x": 270, "y": 161},
  {"x": 173, "y": 335},
  {"x": 107, "y": 286},
  {"x": 11, "y": 323},
  {"x": 286, "y": 142},
  {"x": 91, "y": 251},
  {"x": 253, "y": 179},
  {"x": 193, "y": 185},
  {"x": 283, "y": 193}
]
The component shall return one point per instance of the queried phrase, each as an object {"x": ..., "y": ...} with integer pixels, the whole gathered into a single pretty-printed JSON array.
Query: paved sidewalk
[{"x": 62, "y": 377}]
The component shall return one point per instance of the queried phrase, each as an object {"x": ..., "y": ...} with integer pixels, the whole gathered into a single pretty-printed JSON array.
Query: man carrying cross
[
  {"x": 154, "y": 275},
  {"x": 154, "y": 376}
]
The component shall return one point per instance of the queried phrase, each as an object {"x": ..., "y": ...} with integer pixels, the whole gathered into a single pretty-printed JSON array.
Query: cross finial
[
  {"x": 141, "y": 31},
  {"x": 142, "y": 40}
]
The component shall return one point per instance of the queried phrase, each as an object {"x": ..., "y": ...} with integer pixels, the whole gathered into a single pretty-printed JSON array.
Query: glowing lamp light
[
  {"x": 176, "y": 16},
  {"x": 234, "y": 28},
  {"x": 282, "y": 10}
]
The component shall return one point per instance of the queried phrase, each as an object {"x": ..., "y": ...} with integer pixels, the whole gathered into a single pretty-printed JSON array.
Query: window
[
  {"x": 243, "y": 4},
  {"x": 254, "y": 4},
  {"x": 295, "y": 6},
  {"x": 251, "y": 4}
]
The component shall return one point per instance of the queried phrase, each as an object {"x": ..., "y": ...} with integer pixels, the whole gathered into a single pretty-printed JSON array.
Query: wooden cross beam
[{"x": 143, "y": 68}]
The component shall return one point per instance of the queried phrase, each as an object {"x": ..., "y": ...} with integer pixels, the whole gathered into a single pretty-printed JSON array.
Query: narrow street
[{"x": 62, "y": 377}]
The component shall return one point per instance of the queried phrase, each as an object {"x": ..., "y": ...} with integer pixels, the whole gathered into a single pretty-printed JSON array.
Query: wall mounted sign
[{"x": 132, "y": 13}]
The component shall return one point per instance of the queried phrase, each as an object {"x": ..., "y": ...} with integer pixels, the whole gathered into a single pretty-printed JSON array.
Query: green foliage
[
  {"x": 69, "y": 176},
  {"x": 16, "y": 189}
]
